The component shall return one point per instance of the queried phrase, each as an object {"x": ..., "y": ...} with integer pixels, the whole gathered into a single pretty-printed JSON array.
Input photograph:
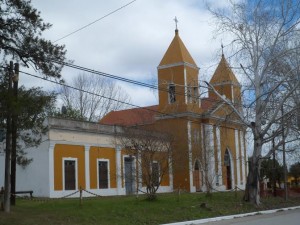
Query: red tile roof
[
  {"x": 144, "y": 115},
  {"x": 131, "y": 117},
  {"x": 208, "y": 103}
]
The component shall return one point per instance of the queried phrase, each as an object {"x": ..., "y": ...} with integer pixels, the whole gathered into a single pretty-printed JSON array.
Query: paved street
[{"x": 290, "y": 217}]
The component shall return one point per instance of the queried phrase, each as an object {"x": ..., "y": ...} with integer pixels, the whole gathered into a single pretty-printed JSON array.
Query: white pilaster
[
  {"x": 243, "y": 161},
  {"x": 210, "y": 153},
  {"x": 118, "y": 170},
  {"x": 87, "y": 166},
  {"x": 139, "y": 178},
  {"x": 170, "y": 173},
  {"x": 220, "y": 175},
  {"x": 51, "y": 168},
  {"x": 237, "y": 154},
  {"x": 189, "y": 128}
]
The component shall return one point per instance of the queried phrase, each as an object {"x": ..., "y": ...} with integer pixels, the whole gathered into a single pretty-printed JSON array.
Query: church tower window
[
  {"x": 172, "y": 97},
  {"x": 189, "y": 94},
  {"x": 196, "y": 95}
]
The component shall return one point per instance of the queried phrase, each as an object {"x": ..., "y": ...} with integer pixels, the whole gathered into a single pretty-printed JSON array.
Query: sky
[{"x": 130, "y": 42}]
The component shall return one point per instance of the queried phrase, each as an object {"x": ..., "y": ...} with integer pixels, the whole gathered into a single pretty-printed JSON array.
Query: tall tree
[
  {"x": 107, "y": 96},
  {"x": 31, "y": 107},
  {"x": 21, "y": 27},
  {"x": 264, "y": 37}
]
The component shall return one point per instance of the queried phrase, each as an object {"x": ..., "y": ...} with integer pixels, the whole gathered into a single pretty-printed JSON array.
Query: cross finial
[
  {"x": 222, "y": 46},
  {"x": 176, "y": 22}
]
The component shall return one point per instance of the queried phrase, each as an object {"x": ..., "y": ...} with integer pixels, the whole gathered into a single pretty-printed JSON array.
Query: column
[
  {"x": 139, "y": 178},
  {"x": 87, "y": 165},
  {"x": 51, "y": 168},
  {"x": 243, "y": 154},
  {"x": 118, "y": 170},
  {"x": 189, "y": 128},
  {"x": 220, "y": 176},
  {"x": 237, "y": 156}
]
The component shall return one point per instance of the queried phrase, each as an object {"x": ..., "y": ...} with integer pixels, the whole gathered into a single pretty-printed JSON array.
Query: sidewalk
[{"x": 207, "y": 220}]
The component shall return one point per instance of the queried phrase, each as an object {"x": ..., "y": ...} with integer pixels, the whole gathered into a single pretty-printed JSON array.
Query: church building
[
  {"x": 209, "y": 151},
  {"x": 209, "y": 148}
]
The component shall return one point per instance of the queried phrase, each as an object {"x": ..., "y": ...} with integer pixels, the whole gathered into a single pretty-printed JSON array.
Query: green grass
[{"x": 129, "y": 210}]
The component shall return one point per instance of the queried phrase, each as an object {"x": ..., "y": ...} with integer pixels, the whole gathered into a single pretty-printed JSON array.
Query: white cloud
[{"x": 131, "y": 42}]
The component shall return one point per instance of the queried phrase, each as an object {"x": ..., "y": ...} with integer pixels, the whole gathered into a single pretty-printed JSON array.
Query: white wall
[{"x": 35, "y": 176}]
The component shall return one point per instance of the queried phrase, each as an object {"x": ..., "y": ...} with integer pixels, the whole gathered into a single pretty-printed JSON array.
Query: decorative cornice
[{"x": 178, "y": 64}]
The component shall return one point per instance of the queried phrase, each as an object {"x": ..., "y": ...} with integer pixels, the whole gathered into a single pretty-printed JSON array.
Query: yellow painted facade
[
  {"x": 68, "y": 152},
  {"x": 194, "y": 124},
  {"x": 98, "y": 153},
  {"x": 209, "y": 138}
]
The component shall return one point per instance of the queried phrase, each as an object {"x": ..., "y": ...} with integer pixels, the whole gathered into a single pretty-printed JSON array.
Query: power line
[
  {"x": 151, "y": 86},
  {"x": 126, "y": 103},
  {"x": 112, "y": 12}
]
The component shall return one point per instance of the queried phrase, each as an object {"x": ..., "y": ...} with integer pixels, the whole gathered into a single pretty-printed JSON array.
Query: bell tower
[
  {"x": 225, "y": 82},
  {"x": 178, "y": 79}
]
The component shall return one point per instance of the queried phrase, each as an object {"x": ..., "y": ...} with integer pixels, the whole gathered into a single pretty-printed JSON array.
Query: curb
[{"x": 201, "y": 221}]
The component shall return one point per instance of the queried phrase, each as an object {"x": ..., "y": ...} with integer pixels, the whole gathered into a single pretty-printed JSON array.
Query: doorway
[
  {"x": 197, "y": 176},
  {"x": 129, "y": 175},
  {"x": 227, "y": 164},
  {"x": 70, "y": 174}
]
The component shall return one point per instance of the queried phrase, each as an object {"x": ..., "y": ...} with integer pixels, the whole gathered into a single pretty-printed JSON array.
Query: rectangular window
[
  {"x": 196, "y": 95},
  {"x": 103, "y": 174},
  {"x": 172, "y": 97},
  {"x": 70, "y": 174},
  {"x": 189, "y": 94},
  {"x": 155, "y": 173}
]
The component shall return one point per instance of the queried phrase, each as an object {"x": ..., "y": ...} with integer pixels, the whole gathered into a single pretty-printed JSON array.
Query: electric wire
[
  {"x": 130, "y": 81},
  {"x": 95, "y": 21},
  {"x": 193, "y": 120}
]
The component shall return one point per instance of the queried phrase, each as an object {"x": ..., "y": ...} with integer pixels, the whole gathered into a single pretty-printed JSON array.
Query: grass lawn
[{"x": 130, "y": 210}]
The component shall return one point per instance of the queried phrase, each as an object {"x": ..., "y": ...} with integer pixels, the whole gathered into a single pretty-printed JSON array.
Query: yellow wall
[
  {"x": 102, "y": 153},
  {"x": 227, "y": 136},
  {"x": 176, "y": 75},
  {"x": 64, "y": 151}
]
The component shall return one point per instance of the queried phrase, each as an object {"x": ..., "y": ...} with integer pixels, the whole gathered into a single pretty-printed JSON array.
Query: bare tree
[
  {"x": 264, "y": 35},
  {"x": 152, "y": 151},
  {"x": 107, "y": 96}
]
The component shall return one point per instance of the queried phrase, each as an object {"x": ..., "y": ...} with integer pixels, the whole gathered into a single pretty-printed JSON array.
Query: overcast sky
[{"x": 131, "y": 42}]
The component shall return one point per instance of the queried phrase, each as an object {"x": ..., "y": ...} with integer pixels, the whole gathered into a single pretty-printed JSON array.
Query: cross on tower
[
  {"x": 176, "y": 21},
  {"x": 222, "y": 46}
]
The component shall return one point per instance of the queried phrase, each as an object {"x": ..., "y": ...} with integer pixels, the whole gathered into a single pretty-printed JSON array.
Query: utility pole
[
  {"x": 14, "y": 126},
  {"x": 274, "y": 167},
  {"x": 8, "y": 142},
  {"x": 283, "y": 157}
]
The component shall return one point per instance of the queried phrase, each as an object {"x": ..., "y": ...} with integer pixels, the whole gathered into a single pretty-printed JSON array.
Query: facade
[
  {"x": 76, "y": 155},
  {"x": 209, "y": 140},
  {"x": 209, "y": 145}
]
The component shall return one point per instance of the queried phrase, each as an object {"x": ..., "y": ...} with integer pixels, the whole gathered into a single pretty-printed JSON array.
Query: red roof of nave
[
  {"x": 143, "y": 115},
  {"x": 131, "y": 117}
]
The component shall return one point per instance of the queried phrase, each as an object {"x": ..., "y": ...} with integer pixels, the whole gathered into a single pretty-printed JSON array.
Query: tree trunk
[{"x": 252, "y": 187}]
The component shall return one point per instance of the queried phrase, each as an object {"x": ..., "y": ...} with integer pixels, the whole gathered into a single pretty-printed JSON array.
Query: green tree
[
  {"x": 268, "y": 171},
  {"x": 31, "y": 106},
  {"x": 21, "y": 28},
  {"x": 295, "y": 171},
  {"x": 66, "y": 112}
]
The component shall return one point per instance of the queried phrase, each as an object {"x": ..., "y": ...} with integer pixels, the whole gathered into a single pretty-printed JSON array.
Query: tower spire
[{"x": 176, "y": 22}]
